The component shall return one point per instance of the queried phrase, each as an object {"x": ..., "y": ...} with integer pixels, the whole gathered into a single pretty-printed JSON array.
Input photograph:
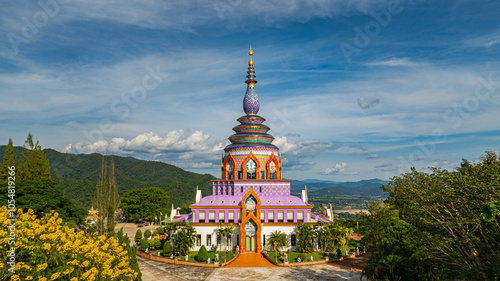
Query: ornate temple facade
[{"x": 251, "y": 194}]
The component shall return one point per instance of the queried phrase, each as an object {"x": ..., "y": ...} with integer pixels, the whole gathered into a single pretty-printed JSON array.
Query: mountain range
[
  {"x": 77, "y": 175},
  {"x": 315, "y": 187}
]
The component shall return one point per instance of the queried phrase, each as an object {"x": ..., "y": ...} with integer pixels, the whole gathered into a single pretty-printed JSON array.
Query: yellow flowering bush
[{"x": 48, "y": 250}]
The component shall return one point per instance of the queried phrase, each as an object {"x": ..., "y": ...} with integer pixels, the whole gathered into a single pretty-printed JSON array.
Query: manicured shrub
[
  {"x": 138, "y": 235},
  {"x": 147, "y": 234},
  {"x": 156, "y": 243},
  {"x": 202, "y": 255},
  {"x": 144, "y": 244},
  {"x": 161, "y": 230},
  {"x": 167, "y": 249}
]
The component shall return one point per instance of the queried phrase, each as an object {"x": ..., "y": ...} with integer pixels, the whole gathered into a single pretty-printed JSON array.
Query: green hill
[{"x": 77, "y": 175}]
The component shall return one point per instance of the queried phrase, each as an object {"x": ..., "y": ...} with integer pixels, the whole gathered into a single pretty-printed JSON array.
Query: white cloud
[
  {"x": 485, "y": 41},
  {"x": 366, "y": 103},
  {"x": 175, "y": 141},
  {"x": 337, "y": 169},
  {"x": 372, "y": 156},
  {"x": 394, "y": 62}
]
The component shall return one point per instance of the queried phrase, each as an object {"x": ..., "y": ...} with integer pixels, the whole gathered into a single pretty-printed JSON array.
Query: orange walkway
[{"x": 250, "y": 259}]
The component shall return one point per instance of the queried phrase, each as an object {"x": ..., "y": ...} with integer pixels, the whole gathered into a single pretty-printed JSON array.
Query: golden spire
[{"x": 250, "y": 52}]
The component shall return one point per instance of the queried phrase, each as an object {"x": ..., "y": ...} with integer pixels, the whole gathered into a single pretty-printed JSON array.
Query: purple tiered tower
[{"x": 251, "y": 193}]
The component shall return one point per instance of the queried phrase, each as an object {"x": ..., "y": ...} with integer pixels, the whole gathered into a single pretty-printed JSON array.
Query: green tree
[
  {"x": 43, "y": 197},
  {"x": 147, "y": 233},
  {"x": 325, "y": 233},
  {"x": 156, "y": 243},
  {"x": 305, "y": 233},
  {"x": 184, "y": 238},
  {"x": 144, "y": 203},
  {"x": 225, "y": 232},
  {"x": 34, "y": 165},
  {"x": 9, "y": 160},
  {"x": 279, "y": 240},
  {"x": 445, "y": 220}
]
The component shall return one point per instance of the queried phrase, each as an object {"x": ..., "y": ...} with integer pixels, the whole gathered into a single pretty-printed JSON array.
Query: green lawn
[
  {"x": 315, "y": 255},
  {"x": 294, "y": 255},
  {"x": 211, "y": 255}
]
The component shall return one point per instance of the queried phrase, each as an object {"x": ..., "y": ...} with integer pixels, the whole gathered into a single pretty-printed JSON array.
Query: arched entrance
[{"x": 250, "y": 223}]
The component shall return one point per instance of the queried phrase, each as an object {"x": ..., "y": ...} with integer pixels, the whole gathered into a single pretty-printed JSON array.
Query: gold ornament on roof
[{"x": 250, "y": 52}]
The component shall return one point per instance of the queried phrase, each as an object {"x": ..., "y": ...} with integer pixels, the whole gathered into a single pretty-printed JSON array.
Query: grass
[
  {"x": 315, "y": 255},
  {"x": 294, "y": 255},
  {"x": 191, "y": 256}
]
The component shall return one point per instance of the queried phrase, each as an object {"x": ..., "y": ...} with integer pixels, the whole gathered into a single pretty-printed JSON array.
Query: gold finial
[
  {"x": 250, "y": 52},
  {"x": 250, "y": 62}
]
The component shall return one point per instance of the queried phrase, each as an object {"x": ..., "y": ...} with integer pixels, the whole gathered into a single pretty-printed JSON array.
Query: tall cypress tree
[
  {"x": 34, "y": 165},
  {"x": 9, "y": 159},
  {"x": 112, "y": 197}
]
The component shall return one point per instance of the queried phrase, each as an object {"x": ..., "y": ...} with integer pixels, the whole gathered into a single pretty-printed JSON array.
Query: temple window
[
  {"x": 280, "y": 216},
  {"x": 262, "y": 175},
  {"x": 260, "y": 188},
  {"x": 211, "y": 216},
  {"x": 251, "y": 169},
  {"x": 293, "y": 240},
  {"x": 300, "y": 216},
  {"x": 270, "y": 216},
  {"x": 230, "y": 168},
  {"x": 198, "y": 240},
  {"x": 209, "y": 240},
  {"x": 240, "y": 175},
  {"x": 262, "y": 215},
  {"x": 289, "y": 216},
  {"x": 202, "y": 216},
  {"x": 272, "y": 171},
  {"x": 231, "y": 216},
  {"x": 221, "y": 215}
]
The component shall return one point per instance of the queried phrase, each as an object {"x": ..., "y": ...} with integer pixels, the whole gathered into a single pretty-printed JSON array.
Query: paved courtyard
[
  {"x": 157, "y": 271},
  {"x": 152, "y": 270}
]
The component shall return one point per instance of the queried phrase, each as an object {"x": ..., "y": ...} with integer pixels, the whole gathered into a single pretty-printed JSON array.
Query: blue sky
[{"x": 351, "y": 89}]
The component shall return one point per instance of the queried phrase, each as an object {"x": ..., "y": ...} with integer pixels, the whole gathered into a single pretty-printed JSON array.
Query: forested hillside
[{"x": 77, "y": 176}]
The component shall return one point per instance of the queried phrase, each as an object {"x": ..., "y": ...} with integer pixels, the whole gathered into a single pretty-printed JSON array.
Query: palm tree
[
  {"x": 279, "y": 239},
  {"x": 171, "y": 229},
  {"x": 325, "y": 234},
  {"x": 184, "y": 238},
  {"x": 305, "y": 233}
]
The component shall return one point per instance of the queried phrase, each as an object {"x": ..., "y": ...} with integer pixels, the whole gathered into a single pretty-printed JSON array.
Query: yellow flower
[
  {"x": 46, "y": 246},
  {"x": 42, "y": 266},
  {"x": 55, "y": 276},
  {"x": 14, "y": 277},
  {"x": 42, "y": 279},
  {"x": 29, "y": 278}
]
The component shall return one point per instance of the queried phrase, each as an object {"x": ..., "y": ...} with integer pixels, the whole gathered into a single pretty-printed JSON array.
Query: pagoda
[{"x": 251, "y": 194}]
